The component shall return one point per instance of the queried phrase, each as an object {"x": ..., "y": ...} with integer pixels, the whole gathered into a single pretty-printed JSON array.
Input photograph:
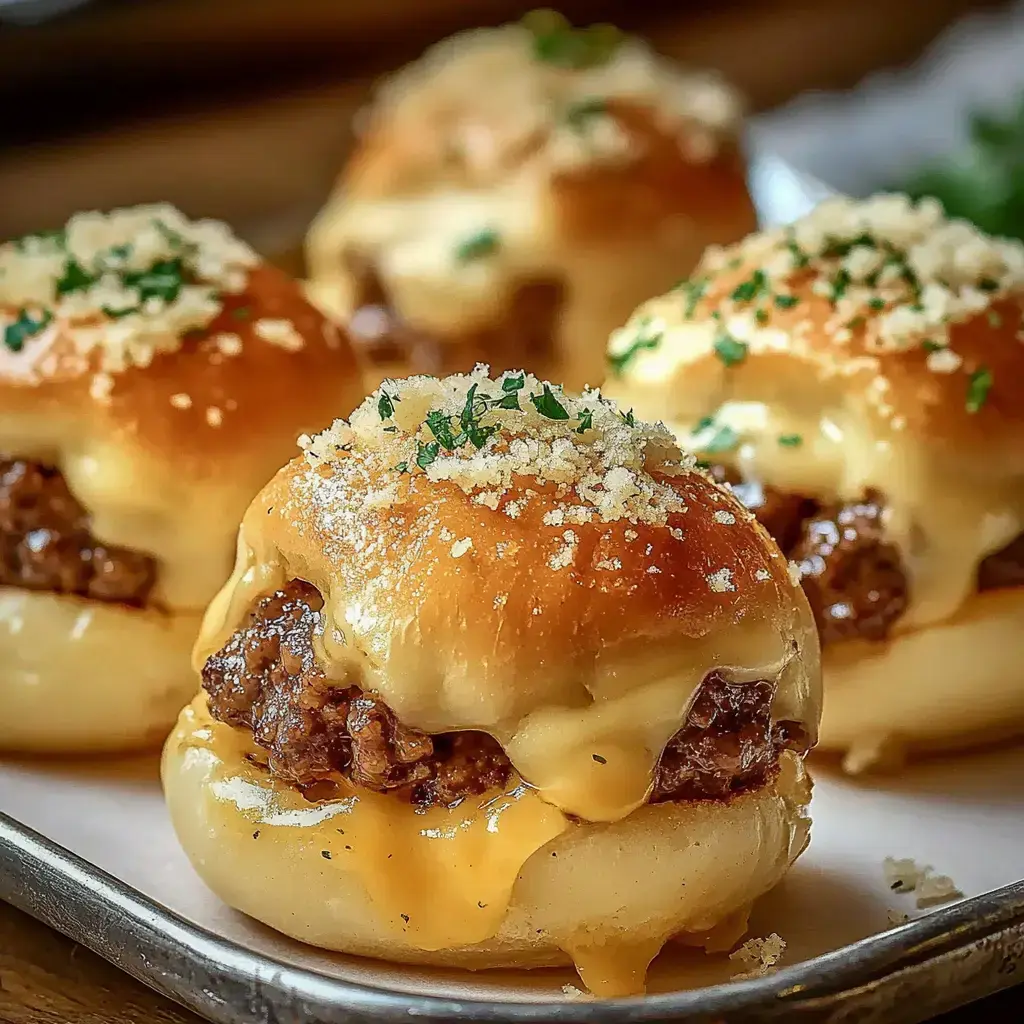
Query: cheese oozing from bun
[
  {"x": 497, "y": 556},
  {"x": 867, "y": 360}
]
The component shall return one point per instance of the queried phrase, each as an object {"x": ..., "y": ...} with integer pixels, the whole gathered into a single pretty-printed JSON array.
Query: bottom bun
[
  {"x": 80, "y": 676},
  {"x": 948, "y": 686},
  {"x": 500, "y": 882}
]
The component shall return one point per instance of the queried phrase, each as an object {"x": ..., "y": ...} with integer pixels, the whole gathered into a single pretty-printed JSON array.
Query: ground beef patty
[
  {"x": 524, "y": 337},
  {"x": 46, "y": 543},
  {"x": 854, "y": 579},
  {"x": 1003, "y": 568},
  {"x": 265, "y": 679}
]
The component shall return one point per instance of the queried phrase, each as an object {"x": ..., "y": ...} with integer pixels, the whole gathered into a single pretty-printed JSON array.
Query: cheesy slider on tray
[
  {"x": 153, "y": 374},
  {"x": 499, "y": 679},
  {"x": 858, "y": 379},
  {"x": 517, "y": 191}
]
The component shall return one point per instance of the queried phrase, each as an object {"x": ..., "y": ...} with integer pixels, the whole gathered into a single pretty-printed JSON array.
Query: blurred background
[{"x": 240, "y": 109}]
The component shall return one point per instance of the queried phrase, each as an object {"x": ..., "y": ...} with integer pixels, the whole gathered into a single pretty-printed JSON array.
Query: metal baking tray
[
  {"x": 914, "y": 972},
  {"x": 87, "y": 849}
]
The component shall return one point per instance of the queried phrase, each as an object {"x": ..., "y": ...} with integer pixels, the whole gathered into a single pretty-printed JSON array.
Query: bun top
[
  {"x": 539, "y": 155},
  {"x": 166, "y": 370},
  {"x": 916, "y": 316},
  {"x": 872, "y": 344},
  {"x": 496, "y": 555},
  {"x": 484, "y": 103}
]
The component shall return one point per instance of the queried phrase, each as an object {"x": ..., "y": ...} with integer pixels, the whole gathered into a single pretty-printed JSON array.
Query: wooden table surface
[{"x": 772, "y": 48}]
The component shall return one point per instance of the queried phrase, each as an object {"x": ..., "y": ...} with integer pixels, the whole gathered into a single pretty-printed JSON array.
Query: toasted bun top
[
  {"x": 872, "y": 344},
  {"x": 916, "y": 317},
  {"x": 494, "y": 554},
  {"x": 531, "y": 155},
  {"x": 165, "y": 368}
]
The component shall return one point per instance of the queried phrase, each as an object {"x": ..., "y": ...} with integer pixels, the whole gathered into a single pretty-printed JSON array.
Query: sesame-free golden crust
[
  {"x": 808, "y": 347},
  {"x": 205, "y": 405},
  {"x": 487, "y": 585}
]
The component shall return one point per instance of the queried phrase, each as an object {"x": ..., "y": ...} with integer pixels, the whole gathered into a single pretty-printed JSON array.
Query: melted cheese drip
[
  {"x": 637, "y": 698},
  {"x": 439, "y": 877},
  {"x": 140, "y": 502},
  {"x": 943, "y": 532}
]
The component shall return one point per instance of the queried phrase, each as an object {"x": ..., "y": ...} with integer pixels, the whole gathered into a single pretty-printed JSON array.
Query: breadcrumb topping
[
  {"x": 482, "y": 434},
  {"x": 904, "y": 875},
  {"x": 543, "y": 89},
  {"x": 117, "y": 288},
  {"x": 759, "y": 956},
  {"x": 897, "y": 273}
]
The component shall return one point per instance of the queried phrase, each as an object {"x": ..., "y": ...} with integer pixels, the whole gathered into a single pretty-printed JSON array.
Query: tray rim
[{"x": 222, "y": 980}]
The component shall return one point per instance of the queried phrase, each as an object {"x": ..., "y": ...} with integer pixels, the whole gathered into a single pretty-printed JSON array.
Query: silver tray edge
[{"x": 903, "y": 976}]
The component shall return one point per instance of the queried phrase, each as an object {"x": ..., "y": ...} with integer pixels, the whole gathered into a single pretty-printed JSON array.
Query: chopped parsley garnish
[
  {"x": 440, "y": 426},
  {"x": 838, "y": 249},
  {"x": 994, "y": 319},
  {"x": 556, "y": 42},
  {"x": 712, "y": 438},
  {"x": 695, "y": 289},
  {"x": 477, "y": 434},
  {"x": 484, "y": 242},
  {"x": 427, "y": 454},
  {"x": 628, "y": 418},
  {"x": 786, "y": 301},
  {"x": 790, "y": 440},
  {"x": 599, "y": 759},
  {"x": 730, "y": 350},
  {"x": 586, "y": 421},
  {"x": 579, "y": 115},
  {"x": 761, "y": 316},
  {"x": 931, "y": 346},
  {"x": 876, "y": 304},
  {"x": 241, "y": 312},
  {"x": 547, "y": 405},
  {"x": 800, "y": 258},
  {"x": 987, "y": 284},
  {"x": 750, "y": 289},
  {"x": 514, "y": 383},
  {"x": 402, "y": 467},
  {"x": 978, "y": 387},
  {"x": 75, "y": 278},
  {"x": 840, "y": 283},
  {"x": 646, "y": 337},
  {"x": 386, "y": 405},
  {"x": 24, "y": 328}
]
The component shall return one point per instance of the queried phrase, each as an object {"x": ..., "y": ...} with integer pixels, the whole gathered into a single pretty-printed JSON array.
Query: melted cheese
[
  {"x": 494, "y": 882},
  {"x": 635, "y": 699},
  {"x": 85, "y": 676},
  {"x": 942, "y": 531},
  {"x": 141, "y": 502}
]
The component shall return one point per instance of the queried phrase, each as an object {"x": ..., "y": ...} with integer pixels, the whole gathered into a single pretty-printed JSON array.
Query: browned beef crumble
[
  {"x": 854, "y": 579},
  {"x": 524, "y": 337},
  {"x": 46, "y": 543},
  {"x": 1003, "y": 568},
  {"x": 266, "y": 680}
]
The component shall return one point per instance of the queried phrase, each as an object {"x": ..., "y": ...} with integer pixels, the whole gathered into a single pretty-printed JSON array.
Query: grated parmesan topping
[
  {"x": 482, "y": 434},
  {"x": 897, "y": 273},
  {"x": 759, "y": 956},
  {"x": 543, "y": 88},
  {"x": 120, "y": 286},
  {"x": 904, "y": 875}
]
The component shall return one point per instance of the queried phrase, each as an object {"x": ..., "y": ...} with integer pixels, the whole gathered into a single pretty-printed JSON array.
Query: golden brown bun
[
  {"x": 562, "y": 577},
  {"x": 875, "y": 345},
  {"x": 604, "y": 896},
  {"x": 604, "y": 182},
  {"x": 164, "y": 421}
]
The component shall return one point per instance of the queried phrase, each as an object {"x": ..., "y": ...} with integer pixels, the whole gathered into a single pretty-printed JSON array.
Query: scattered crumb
[
  {"x": 795, "y": 575},
  {"x": 726, "y": 518},
  {"x": 904, "y": 875},
  {"x": 214, "y": 416},
  {"x": 721, "y": 581},
  {"x": 460, "y": 547},
  {"x": 279, "y": 332},
  {"x": 631, "y": 535},
  {"x": 897, "y": 917},
  {"x": 100, "y": 387},
  {"x": 228, "y": 344},
  {"x": 446, "y": 534},
  {"x": 759, "y": 955},
  {"x": 572, "y": 992},
  {"x": 762, "y": 574}
]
